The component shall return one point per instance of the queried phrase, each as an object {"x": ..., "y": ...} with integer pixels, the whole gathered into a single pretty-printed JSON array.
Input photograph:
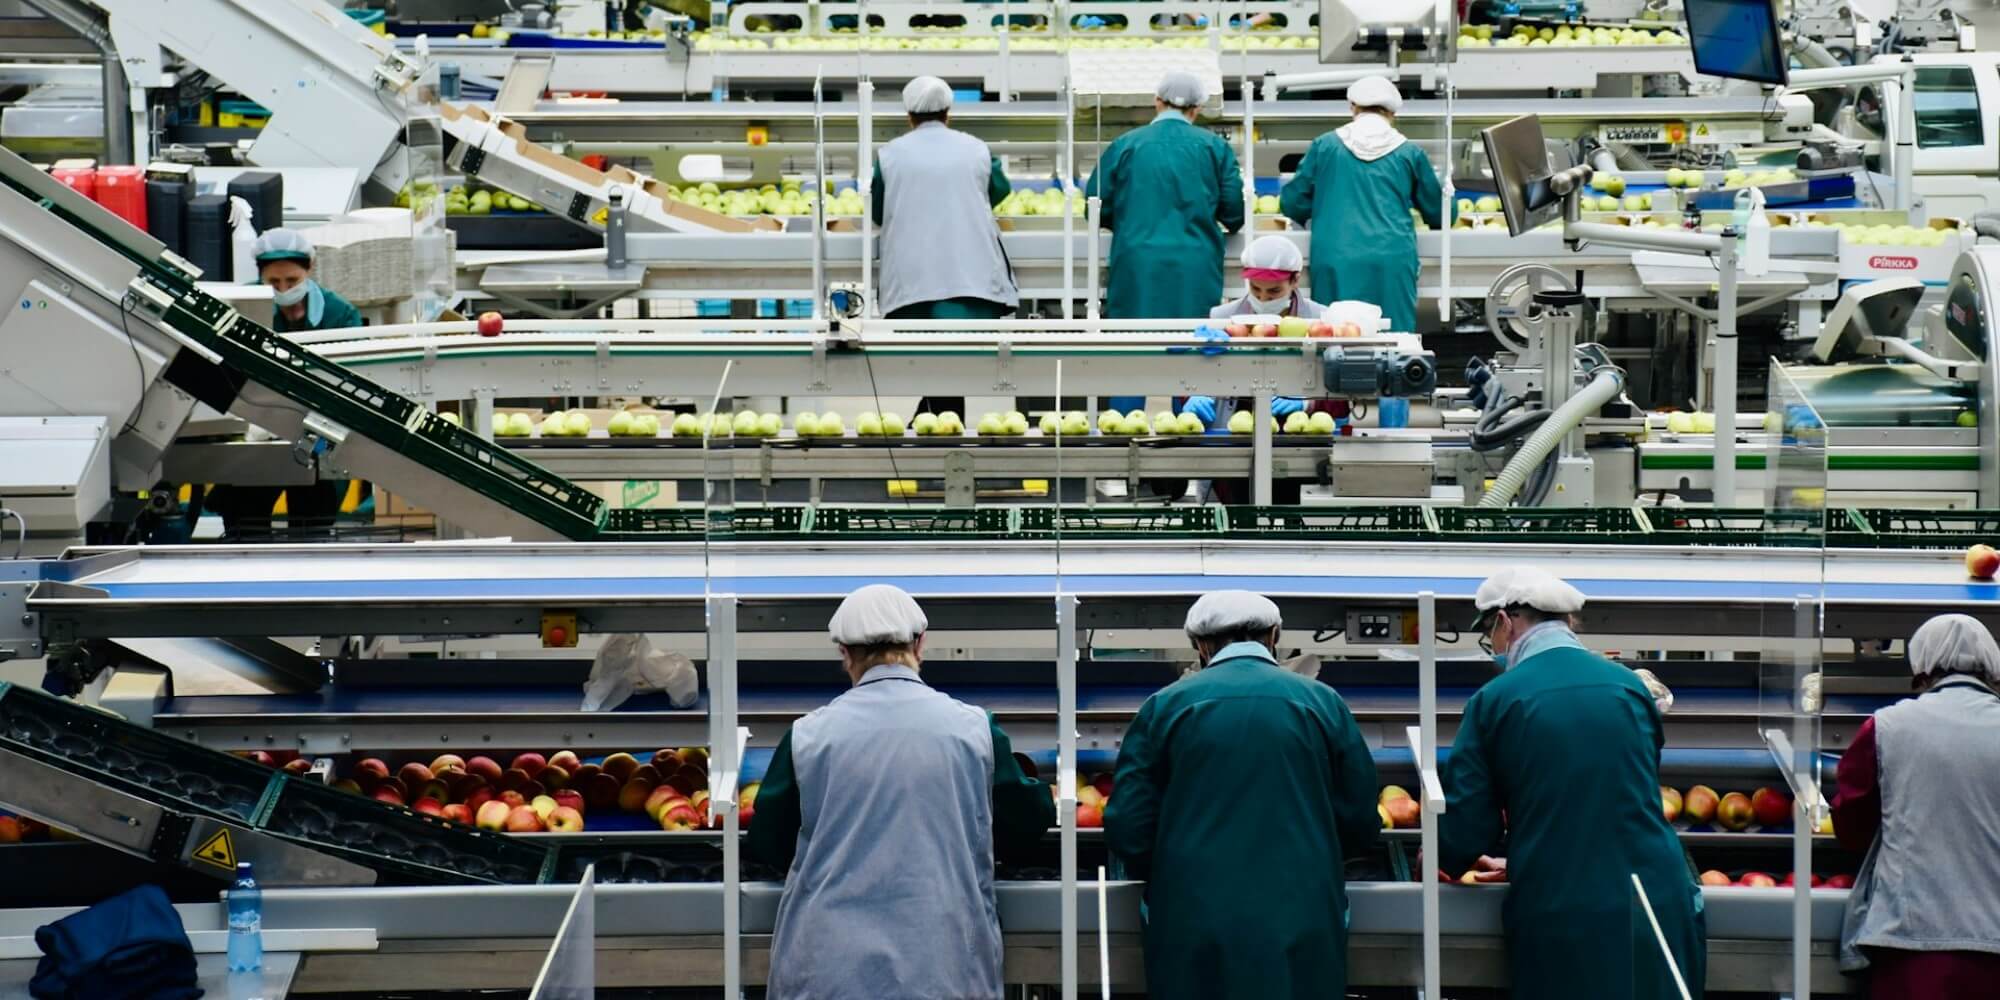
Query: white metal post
[
  {"x": 864, "y": 177},
  {"x": 1066, "y": 174},
  {"x": 1444, "y": 210},
  {"x": 1260, "y": 450},
  {"x": 1066, "y": 778},
  {"x": 819, "y": 202},
  {"x": 1805, "y": 791},
  {"x": 1432, "y": 790},
  {"x": 1249, "y": 151},
  {"x": 726, "y": 758},
  {"x": 1095, "y": 205}
]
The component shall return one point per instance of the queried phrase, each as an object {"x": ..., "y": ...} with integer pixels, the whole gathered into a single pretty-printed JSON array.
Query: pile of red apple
[
  {"x": 1398, "y": 810},
  {"x": 1762, "y": 880},
  {"x": 1769, "y": 808},
  {"x": 1091, "y": 798},
  {"x": 552, "y": 794}
]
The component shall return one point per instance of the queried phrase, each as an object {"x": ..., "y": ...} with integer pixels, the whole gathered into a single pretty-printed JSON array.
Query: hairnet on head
[
  {"x": 875, "y": 615},
  {"x": 1272, "y": 258},
  {"x": 283, "y": 244},
  {"x": 1375, "y": 92},
  {"x": 1536, "y": 588},
  {"x": 1227, "y": 611},
  {"x": 1957, "y": 643},
  {"x": 926, "y": 95},
  {"x": 1181, "y": 89}
]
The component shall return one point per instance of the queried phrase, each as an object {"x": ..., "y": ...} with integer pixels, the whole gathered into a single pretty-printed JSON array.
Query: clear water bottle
[{"x": 246, "y": 922}]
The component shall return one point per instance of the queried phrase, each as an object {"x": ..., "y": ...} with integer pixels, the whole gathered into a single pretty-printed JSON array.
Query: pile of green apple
[
  {"x": 1892, "y": 236},
  {"x": 945, "y": 424},
  {"x": 1164, "y": 423},
  {"x": 1613, "y": 203},
  {"x": 1072, "y": 424},
  {"x": 623, "y": 424},
  {"x": 1740, "y": 178},
  {"x": 1013, "y": 423},
  {"x": 469, "y": 200},
  {"x": 782, "y": 199},
  {"x": 1484, "y": 203},
  {"x": 1691, "y": 423},
  {"x": 1026, "y": 39},
  {"x": 812, "y": 425},
  {"x": 1473, "y": 36},
  {"x": 1678, "y": 178},
  {"x": 572, "y": 423},
  {"x": 745, "y": 423},
  {"x": 1267, "y": 204},
  {"x": 513, "y": 425},
  {"x": 1300, "y": 422},
  {"x": 884, "y": 424},
  {"x": 1024, "y": 203}
]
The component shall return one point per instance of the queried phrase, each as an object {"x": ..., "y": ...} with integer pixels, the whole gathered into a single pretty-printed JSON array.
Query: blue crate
[
  {"x": 711, "y": 308},
  {"x": 798, "y": 308}
]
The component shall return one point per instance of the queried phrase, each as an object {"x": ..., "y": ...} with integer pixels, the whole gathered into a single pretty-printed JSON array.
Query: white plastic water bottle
[
  {"x": 246, "y": 922},
  {"x": 242, "y": 242},
  {"x": 1757, "y": 238}
]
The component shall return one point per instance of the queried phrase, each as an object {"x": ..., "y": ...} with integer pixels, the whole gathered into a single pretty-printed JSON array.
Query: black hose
[{"x": 1485, "y": 438}]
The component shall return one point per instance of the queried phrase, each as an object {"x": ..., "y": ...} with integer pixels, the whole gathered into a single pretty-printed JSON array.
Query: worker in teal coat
[
  {"x": 1169, "y": 190},
  {"x": 1239, "y": 790},
  {"x": 1355, "y": 188},
  {"x": 1553, "y": 785},
  {"x": 285, "y": 262}
]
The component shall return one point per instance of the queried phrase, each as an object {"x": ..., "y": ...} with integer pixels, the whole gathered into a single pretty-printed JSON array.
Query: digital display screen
[{"x": 1737, "y": 39}]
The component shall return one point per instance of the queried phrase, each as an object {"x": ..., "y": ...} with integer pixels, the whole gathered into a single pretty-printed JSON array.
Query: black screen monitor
[{"x": 1737, "y": 39}]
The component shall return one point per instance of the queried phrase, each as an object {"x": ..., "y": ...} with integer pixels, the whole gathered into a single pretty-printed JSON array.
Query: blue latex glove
[
  {"x": 1213, "y": 341},
  {"x": 1391, "y": 412},
  {"x": 1202, "y": 407},
  {"x": 1091, "y": 21},
  {"x": 1285, "y": 406}
]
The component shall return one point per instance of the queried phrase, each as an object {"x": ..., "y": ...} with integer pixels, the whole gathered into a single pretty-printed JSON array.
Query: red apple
[
  {"x": 429, "y": 807},
  {"x": 260, "y": 757},
  {"x": 490, "y": 324},
  {"x": 601, "y": 790},
  {"x": 1699, "y": 804},
  {"x": 463, "y": 785},
  {"x": 385, "y": 793},
  {"x": 569, "y": 798},
  {"x": 10, "y": 830},
  {"x": 514, "y": 799},
  {"x": 651, "y": 774},
  {"x": 658, "y": 800},
  {"x": 532, "y": 789},
  {"x": 485, "y": 767},
  {"x": 632, "y": 796},
  {"x": 565, "y": 820},
  {"x": 1840, "y": 881},
  {"x": 1981, "y": 561},
  {"x": 743, "y": 813},
  {"x": 414, "y": 775},
  {"x": 1713, "y": 877},
  {"x": 565, "y": 759},
  {"x": 621, "y": 766},
  {"x": 1088, "y": 817},
  {"x": 530, "y": 762},
  {"x": 679, "y": 816},
  {"x": 695, "y": 757},
  {"x": 298, "y": 765},
  {"x": 458, "y": 813},
  {"x": 685, "y": 782},
  {"x": 1670, "y": 803},
  {"x": 522, "y": 819},
  {"x": 1791, "y": 879},
  {"x": 1734, "y": 811},
  {"x": 1391, "y": 792},
  {"x": 402, "y": 791},
  {"x": 1405, "y": 813},
  {"x": 493, "y": 815},
  {"x": 32, "y": 829},
  {"x": 370, "y": 771},
  {"x": 1102, "y": 782},
  {"x": 553, "y": 777},
  {"x": 447, "y": 762},
  {"x": 583, "y": 773},
  {"x": 1757, "y": 880},
  {"x": 513, "y": 778},
  {"x": 478, "y": 797},
  {"x": 666, "y": 760},
  {"x": 1772, "y": 808},
  {"x": 348, "y": 785}
]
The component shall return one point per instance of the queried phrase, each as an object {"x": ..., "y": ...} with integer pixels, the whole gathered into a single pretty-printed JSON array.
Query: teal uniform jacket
[
  {"x": 1169, "y": 190},
  {"x": 1239, "y": 791},
  {"x": 1364, "y": 245},
  {"x": 334, "y": 313},
  {"x": 1567, "y": 745}
]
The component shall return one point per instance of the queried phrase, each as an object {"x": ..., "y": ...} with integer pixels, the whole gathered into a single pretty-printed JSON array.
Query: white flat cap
[
  {"x": 1536, "y": 588},
  {"x": 1375, "y": 92},
  {"x": 1273, "y": 253},
  {"x": 877, "y": 614},
  {"x": 1231, "y": 611},
  {"x": 1181, "y": 89},
  {"x": 926, "y": 95},
  {"x": 1954, "y": 642}
]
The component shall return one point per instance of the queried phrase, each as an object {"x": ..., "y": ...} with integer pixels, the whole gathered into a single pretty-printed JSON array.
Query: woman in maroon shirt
[{"x": 1905, "y": 802}]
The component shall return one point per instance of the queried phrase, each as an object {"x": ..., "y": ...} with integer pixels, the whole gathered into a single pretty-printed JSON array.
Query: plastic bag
[
  {"x": 1663, "y": 696},
  {"x": 628, "y": 664}
]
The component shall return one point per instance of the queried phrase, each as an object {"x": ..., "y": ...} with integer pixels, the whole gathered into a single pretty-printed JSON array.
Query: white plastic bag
[
  {"x": 1663, "y": 696},
  {"x": 628, "y": 664}
]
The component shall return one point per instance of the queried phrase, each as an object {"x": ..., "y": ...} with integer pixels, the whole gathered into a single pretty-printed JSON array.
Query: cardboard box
[{"x": 1868, "y": 261}]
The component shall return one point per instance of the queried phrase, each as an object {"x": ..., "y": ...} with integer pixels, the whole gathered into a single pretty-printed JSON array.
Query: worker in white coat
[
  {"x": 887, "y": 809},
  {"x": 1271, "y": 267},
  {"x": 934, "y": 192}
]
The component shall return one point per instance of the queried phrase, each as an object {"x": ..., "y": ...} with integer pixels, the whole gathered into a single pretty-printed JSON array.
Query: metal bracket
[
  {"x": 765, "y": 477},
  {"x": 960, "y": 485},
  {"x": 818, "y": 383},
  {"x": 470, "y": 163},
  {"x": 603, "y": 363},
  {"x": 1003, "y": 359}
]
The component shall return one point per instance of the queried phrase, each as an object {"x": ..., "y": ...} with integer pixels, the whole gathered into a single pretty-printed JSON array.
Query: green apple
[
  {"x": 1133, "y": 423},
  {"x": 949, "y": 424},
  {"x": 520, "y": 425},
  {"x": 1488, "y": 203},
  {"x": 868, "y": 425},
  {"x": 990, "y": 424},
  {"x": 770, "y": 425},
  {"x": 620, "y": 424},
  {"x": 1074, "y": 423},
  {"x": 1165, "y": 422},
  {"x": 1680, "y": 423},
  {"x": 1967, "y": 418},
  {"x": 1242, "y": 422},
  {"x": 1191, "y": 424},
  {"x": 1465, "y": 206},
  {"x": 450, "y": 418},
  {"x": 1293, "y": 326},
  {"x": 718, "y": 424},
  {"x": 500, "y": 424},
  {"x": 1051, "y": 425},
  {"x": 745, "y": 423},
  {"x": 926, "y": 424},
  {"x": 831, "y": 425},
  {"x": 1295, "y": 422},
  {"x": 577, "y": 424},
  {"x": 892, "y": 424},
  {"x": 1320, "y": 423},
  {"x": 1633, "y": 203},
  {"x": 1108, "y": 421},
  {"x": 1015, "y": 424},
  {"x": 806, "y": 425},
  {"x": 648, "y": 425}
]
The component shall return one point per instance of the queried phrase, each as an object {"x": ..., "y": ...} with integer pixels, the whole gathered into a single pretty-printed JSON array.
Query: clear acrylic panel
[
  {"x": 430, "y": 242},
  {"x": 569, "y": 971},
  {"x": 717, "y": 509},
  {"x": 1795, "y": 524},
  {"x": 1651, "y": 952}
]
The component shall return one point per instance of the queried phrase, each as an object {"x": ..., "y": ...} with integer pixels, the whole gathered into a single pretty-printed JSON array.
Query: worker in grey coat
[
  {"x": 933, "y": 193},
  {"x": 887, "y": 807}
]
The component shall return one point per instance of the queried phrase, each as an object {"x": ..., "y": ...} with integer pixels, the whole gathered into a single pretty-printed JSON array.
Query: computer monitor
[
  {"x": 1738, "y": 39},
  {"x": 1520, "y": 162}
]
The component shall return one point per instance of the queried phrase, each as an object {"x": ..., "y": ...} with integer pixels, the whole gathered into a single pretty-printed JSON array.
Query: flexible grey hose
[{"x": 1605, "y": 385}]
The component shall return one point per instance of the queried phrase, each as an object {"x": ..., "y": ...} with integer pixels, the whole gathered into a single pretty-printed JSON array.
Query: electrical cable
[
  {"x": 138, "y": 363},
  {"x": 890, "y": 449},
  {"x": 20, "y": 544}
]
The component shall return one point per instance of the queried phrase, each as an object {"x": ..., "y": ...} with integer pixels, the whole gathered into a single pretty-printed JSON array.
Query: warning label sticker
[{"x": 218, "y": 850}]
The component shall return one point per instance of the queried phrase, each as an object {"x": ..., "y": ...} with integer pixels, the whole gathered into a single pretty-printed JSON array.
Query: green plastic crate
[
  {"x": 1576, "y": 525},
  {"x": 1929, "y": 529},
  {"x": 689, "y": 523},
  {"x": 944, "y": 523},
  {"x": 1120, "y": 522},
  {"x": 1332, "y": 524},
  {"x": 1736, "y": 526}
]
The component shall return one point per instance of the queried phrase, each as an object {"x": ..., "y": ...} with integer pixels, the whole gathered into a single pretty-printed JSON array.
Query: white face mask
[
  {"x": 1274, "y": 307},
  {"x": 294, "y": 295}
]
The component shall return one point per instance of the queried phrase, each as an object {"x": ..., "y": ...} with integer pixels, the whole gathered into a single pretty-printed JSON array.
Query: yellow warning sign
[{"x": 218, "y": 850}]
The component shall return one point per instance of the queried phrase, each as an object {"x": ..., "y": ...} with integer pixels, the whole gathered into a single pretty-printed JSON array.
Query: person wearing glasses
[{"x": 1553, "y": 784}]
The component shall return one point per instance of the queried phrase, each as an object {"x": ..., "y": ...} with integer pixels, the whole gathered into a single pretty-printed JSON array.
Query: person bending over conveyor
[
  {"x": 1248, "y": 903},
  {"x": 875, "y": 904}
]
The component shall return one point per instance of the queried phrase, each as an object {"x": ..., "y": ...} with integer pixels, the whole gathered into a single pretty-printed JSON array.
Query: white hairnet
[
  {"x": 926, "y": 95},
  {"x": 877, "y": 614},
  {"x": 1275, "y": 253},
  {"x": 1375, "y": 92},
  {"x": 1231, "y": 611},
  {"x": 1536, "y": 588},
  {"x": 1958, "y": 643},
  {"x": 283, "y": 244},
  {"x": 1181, "y": 89}
]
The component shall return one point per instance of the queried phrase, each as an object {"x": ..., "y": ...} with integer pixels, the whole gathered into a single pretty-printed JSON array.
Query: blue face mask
[{"x": 294, "y": 295}]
